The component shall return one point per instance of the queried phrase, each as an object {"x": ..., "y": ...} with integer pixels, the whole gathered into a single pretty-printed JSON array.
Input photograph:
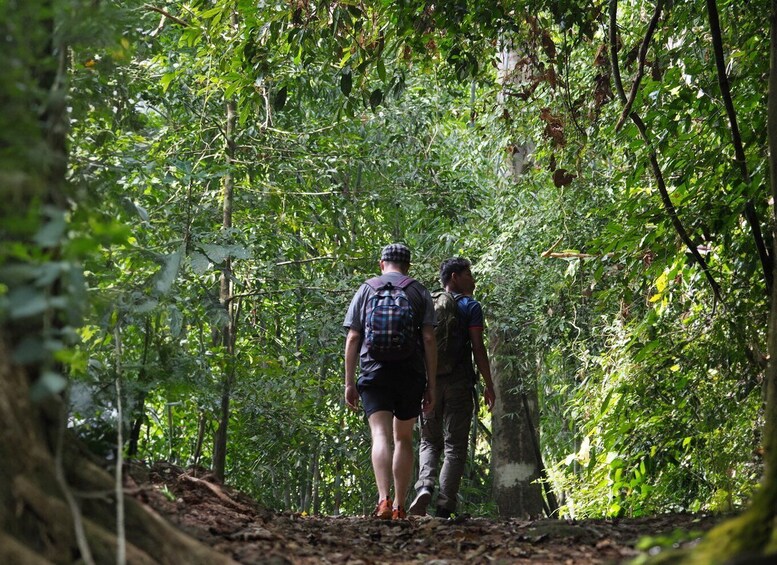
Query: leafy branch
[
  {"x": 725, "y": 90},
  {"x": 642, "y": 56},
  {"x": 655, "y": 166}
]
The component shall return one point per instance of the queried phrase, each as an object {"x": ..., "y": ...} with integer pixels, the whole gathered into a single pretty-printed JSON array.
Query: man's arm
[
  {"x": 481, "y": 361},
  {"x": 352, "y": 343},
  {"x": 430, "y": 356}
]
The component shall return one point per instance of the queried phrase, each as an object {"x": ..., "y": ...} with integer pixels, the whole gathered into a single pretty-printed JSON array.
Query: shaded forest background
[{"x": 192, "y": 192}]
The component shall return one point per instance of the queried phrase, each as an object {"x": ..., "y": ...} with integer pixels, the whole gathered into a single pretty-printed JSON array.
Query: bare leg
[
  {"x": 403, "y": 459},
  {"x": 380, "y": 429}
]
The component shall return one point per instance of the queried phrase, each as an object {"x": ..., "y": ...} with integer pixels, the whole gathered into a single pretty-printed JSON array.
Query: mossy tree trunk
[
  {"x": 51, "y": 493},
  {"x": 56, "y": 505}
]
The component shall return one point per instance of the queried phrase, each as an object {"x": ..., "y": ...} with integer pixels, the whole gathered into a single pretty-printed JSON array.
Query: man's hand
[
  {"x": 490, "y": 397},
  {"x": 428, "y": 403},
  {"x": 351, "y": 396},
  {"x": 352, "y": 343}
]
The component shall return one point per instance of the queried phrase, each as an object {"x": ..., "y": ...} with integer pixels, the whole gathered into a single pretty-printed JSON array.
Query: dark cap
[{"x": 396, "y": 253}]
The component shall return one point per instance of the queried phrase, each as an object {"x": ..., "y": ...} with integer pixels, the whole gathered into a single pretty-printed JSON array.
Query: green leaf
[
  {"x": 199, "y": 262},
  {"x": 239, "y": 252},
  {"x": 166, "y": 80},
  {"x": 166, "y": 277},
  {"x": 176, "y": 321},
  {"x": 216, "y": 253},
  {"x": 49, "y": 272},
  {"x": 29, "y": 351},
  {"x": 346, "y": 81},
  {"x": 51, "y": 232},
  {"x": 26, "y": 302},
  {"x": 142, "y": 212},
  {"x": 207, "y": 14},
  {"x": 616, "y": 463},
  {"x": 49, "y": 384},
  {"x": 145, "y": 306},
  {"x": 16, "y": 274},
  {"x": 606, "y": 401},
  {"x": 279, "y": 101},
  {"x": 646, "y": 350},
  {"x": 376, "y": 97}
]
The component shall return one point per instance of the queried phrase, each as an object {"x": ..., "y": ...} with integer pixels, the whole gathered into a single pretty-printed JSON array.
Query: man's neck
[{"x": 455, "y": 291}]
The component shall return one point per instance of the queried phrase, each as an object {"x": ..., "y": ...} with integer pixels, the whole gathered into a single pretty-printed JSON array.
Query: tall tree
[
  {"x": 516, "y": 459},
  {"x": 40, "y": 514},
  {"x": 229, "y": 329}
]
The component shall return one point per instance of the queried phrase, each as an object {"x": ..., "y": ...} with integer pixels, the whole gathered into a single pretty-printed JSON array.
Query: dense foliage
[{"x": 343, "y": 126}]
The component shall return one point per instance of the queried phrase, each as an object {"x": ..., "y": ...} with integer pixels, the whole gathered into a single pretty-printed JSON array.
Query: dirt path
[{"x": 236, "y": 526}]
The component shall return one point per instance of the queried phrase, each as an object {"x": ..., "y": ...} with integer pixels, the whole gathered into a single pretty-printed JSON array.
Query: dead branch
[
  {"x": 568, "y": 255},
  {"x": 564, "y": 254},
  {"x": 167, "y": 15},
  {"x": 216, "y": 491},
  {"x": 308, "y": 260}
]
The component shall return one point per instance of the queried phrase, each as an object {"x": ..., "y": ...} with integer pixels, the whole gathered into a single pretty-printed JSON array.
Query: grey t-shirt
[{"x": 423, "y": 308}]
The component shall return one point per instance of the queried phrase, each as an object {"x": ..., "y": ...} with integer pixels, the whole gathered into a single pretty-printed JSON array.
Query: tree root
[
  {"x": 218, "y": 493},
  {"x": 11, "y": 551},
  {"x": 151, "y": 539},
  {"x": 36, "y": 525}
]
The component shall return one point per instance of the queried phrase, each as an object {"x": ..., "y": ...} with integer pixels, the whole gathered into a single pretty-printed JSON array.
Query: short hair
[{"x": 452, "y": 265}]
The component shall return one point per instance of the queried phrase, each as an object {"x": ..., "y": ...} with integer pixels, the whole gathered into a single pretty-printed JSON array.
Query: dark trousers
[{"x": 445, "y": 433}]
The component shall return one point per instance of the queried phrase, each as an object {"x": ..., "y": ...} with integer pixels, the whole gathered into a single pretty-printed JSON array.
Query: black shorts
[{"x": 400, "y": 394}]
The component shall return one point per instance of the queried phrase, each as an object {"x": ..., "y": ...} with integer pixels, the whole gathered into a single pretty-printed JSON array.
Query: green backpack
[{"x": 448, "y": 331}]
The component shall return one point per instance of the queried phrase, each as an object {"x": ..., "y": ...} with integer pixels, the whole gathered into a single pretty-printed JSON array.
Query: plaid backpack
[{"x": 389, "y": 326}]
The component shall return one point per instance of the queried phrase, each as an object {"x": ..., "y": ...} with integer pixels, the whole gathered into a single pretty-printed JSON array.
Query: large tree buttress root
[{"x": 37, "y": 524}]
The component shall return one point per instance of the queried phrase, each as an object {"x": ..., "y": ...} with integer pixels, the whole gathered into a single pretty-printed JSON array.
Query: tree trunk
[
  {"x": 138, "y": 407},
  {"x": 228, "y": 332},
  {"x": 41, "y": 518},
  {"x": 201, "y": 425},
  {"x": 514, "y": 463},
  {"x": 37, "y": 521},
  {"x": 511, "y": 74},
  {"x": 515, "y": 468}
]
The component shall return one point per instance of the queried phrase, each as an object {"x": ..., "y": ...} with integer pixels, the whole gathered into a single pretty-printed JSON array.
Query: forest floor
[{"x": 236, "y": 526}]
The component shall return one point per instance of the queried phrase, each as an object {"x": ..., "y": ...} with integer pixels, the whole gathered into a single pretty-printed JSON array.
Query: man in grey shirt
[{"x": 393, "y": 392}]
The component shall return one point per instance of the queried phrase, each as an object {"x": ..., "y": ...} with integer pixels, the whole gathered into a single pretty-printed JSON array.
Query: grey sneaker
[{"x": 420, "y": 502}]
